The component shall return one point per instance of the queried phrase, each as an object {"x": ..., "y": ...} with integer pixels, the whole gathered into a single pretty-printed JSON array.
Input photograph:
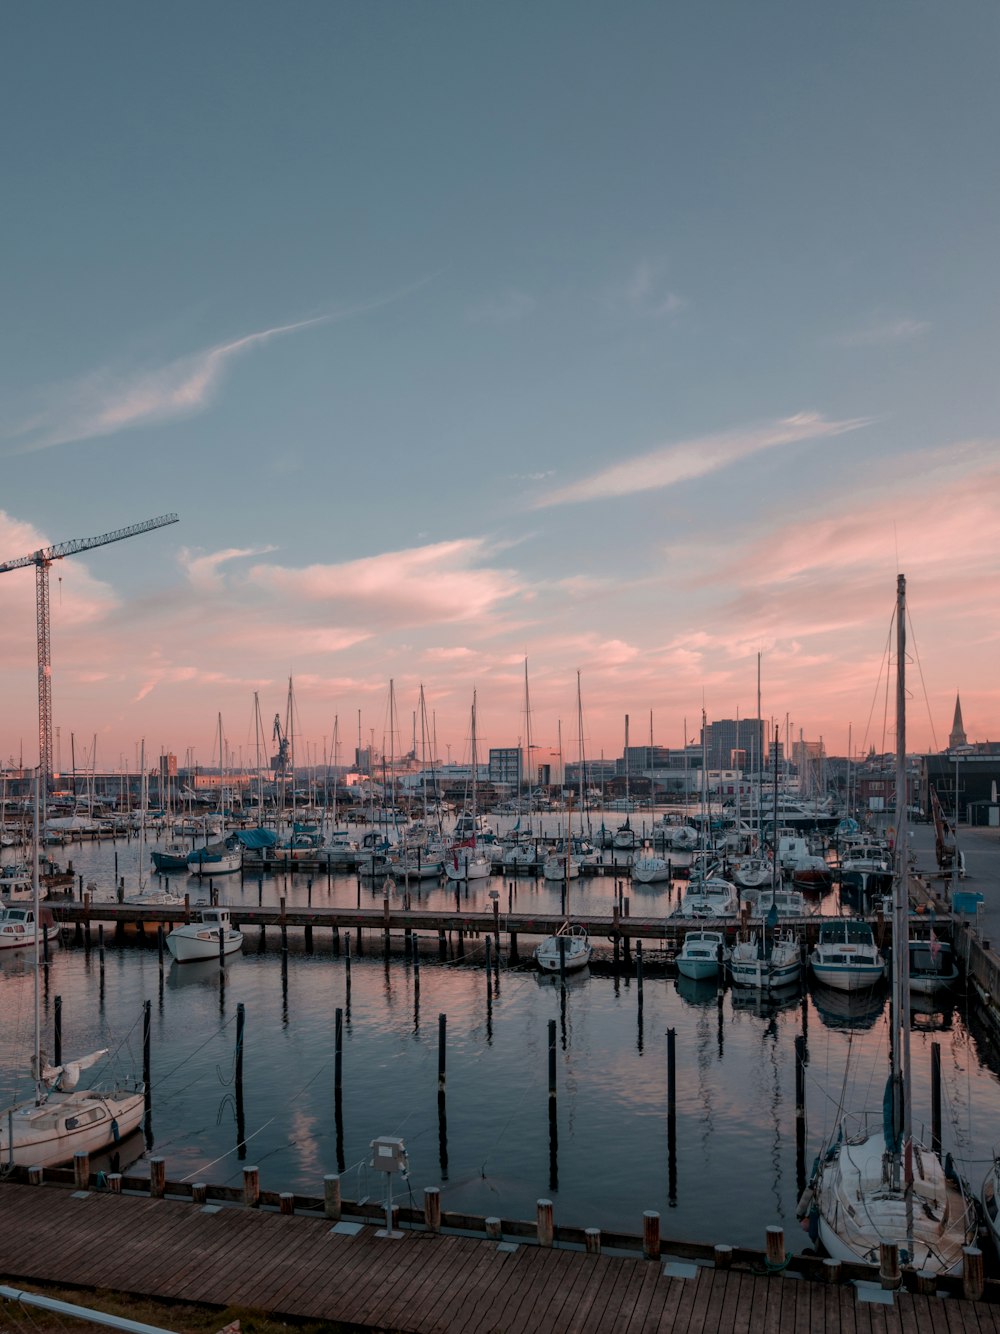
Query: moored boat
[
  {"x": 201, "y": 939},
  {"x": 846, "y": 956},
  {"x": 569, "y": 948},
  {"x": 703, "y": 954}
]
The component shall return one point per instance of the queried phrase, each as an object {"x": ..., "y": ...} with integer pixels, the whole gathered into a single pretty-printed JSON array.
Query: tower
[{"x": 958, "y": 739}]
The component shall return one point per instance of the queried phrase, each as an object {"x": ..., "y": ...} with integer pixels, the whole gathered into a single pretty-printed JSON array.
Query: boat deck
[{"x": 295, "y": 1266}]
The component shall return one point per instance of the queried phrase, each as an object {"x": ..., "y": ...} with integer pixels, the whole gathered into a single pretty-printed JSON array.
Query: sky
[{"x": 632, "y": 340}]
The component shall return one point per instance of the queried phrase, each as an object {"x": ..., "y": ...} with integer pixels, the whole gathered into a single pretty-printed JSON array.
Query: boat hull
[
  {"x": 45, "y": 1137},
  {"x": 188, "y": 946}
]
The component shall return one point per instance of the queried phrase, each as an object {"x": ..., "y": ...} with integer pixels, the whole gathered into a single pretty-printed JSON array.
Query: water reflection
[{"x": 854, "y": 1010}]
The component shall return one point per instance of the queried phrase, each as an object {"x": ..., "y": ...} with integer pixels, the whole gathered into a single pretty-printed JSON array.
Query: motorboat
[
  {"x": 201, "y": 939},
  {"x": 20, "y": 928},
  {"x": 703, "y": 954},
  {"x": 932, "y": 965},
  {"x": 846, "y": 956}
]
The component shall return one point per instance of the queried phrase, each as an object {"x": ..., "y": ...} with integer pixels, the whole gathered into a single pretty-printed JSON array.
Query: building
[
  {"x": 505, "y": 766},
  {"x": 727, "y": 736},
  {"x": 957, "y": 740}
]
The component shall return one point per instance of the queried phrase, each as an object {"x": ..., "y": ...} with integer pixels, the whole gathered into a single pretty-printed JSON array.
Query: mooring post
[
  {"x": 442, "y": 1045},
  {"x": 114, "y": 1180},
  {"x": 347, "y": 971},
  {"x": 972, "y": 1273},
  {"x": 157, "y": 1178},
  {"x": 723, "y": 1256},
  {"x": 776, "y": 1246},
  {"x": 338, "y": 1050},
  {"x": 251, "y": 1187},
  {"x": 432, "y": 1208},
  {"x": 57, "y": 1032},
  {"x": 592, "y": 1240},
  {"x": 493, "y": 1229},
  {"x": 487, "y": 955},
  {"x": 831, "y": 1271},
  {"x": 81, "y": 1169},
  {"x": 889, "y": 1273},
  {"x": 159, "y": 945},
  {"x": 552, "y": 1061},
  {"x": 562, "y": 957},
  {"x": 331, "y": 1196},
  {"x": 36, "y": 1176},
  {"x": 544, "y": 1222},
  {"x": 199, "y": 1192},
  {"x": 651, "y": 1234},
  {"x": 286, "y": 1202},
  {"x": 926, "y": 1282},
  {"x": 638, "y": 972}
]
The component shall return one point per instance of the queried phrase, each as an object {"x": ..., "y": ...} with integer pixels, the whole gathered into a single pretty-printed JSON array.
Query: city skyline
[{"x": 633, "y": 343}]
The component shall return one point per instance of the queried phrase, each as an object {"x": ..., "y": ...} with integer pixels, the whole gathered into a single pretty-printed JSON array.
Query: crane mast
[{"x": 42, "y": 560}]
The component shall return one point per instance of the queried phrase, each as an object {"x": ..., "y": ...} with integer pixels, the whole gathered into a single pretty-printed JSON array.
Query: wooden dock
[
  {"x": 298, "y": 1266},
  {"x": 618, "y": 926}
]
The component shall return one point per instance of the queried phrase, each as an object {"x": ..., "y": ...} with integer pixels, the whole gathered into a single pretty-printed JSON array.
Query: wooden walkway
[{"x": 294, "y": 1266}]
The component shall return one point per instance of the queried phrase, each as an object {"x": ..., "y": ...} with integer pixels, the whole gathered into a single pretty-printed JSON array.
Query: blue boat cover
[{"x": 257, "y": 838}]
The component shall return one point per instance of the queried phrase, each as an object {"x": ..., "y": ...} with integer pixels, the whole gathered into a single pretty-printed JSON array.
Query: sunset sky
[{"x": 632, "y": 339}]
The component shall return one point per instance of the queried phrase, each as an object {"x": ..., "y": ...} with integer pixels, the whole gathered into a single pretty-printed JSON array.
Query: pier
[{"x": 325, "y": 1259}]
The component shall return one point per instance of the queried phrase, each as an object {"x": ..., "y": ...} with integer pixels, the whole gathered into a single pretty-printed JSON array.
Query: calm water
[{"x": 735, "y": 1168}]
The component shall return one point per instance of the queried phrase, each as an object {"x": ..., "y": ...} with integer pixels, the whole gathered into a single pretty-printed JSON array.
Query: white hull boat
[
  {"x": 570, "y": 948},
  {"x": 703, "y": 954},
  {"x": 766, "y": 964},
  {"x": 200, "y": 940},
  {"x": 846, "y": 956}
]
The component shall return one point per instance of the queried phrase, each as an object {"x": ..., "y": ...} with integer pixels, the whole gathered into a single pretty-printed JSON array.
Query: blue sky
[{"x": 632, "y": 339}]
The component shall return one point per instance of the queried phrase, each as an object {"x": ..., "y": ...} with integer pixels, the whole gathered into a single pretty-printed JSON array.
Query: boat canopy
[{"x": 255, "y": 839}]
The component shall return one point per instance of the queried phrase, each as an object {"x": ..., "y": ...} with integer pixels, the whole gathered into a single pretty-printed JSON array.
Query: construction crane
[
  {"x": 41, "y": 561},
  {"x": 280, "y": 764}
]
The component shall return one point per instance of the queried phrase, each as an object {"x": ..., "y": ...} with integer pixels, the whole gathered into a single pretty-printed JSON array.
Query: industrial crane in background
[{"x": 41, "y": 561}]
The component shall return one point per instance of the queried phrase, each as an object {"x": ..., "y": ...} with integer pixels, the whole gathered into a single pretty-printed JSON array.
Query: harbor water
[{"x": 734, "y": 1165}]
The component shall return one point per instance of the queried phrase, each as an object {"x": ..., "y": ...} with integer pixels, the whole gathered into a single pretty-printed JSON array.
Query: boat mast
[
  {"x": 902, "y": 1127},
  {"x": 36, "y": 895}
]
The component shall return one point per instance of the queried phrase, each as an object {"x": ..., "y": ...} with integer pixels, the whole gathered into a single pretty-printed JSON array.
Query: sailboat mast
[
  {"x": 902, "y": 1115},
  {"x": 36, "y": 899}
]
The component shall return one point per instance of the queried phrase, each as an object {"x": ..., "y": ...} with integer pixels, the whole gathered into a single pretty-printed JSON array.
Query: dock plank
[{"x": 294, "y": 1267}]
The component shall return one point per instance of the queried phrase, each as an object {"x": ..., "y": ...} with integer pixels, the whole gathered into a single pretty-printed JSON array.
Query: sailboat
[
  {"x": 61, "y": 1120},
  {"x": 466, "y": 859},
  {"x": 768, "y": 959},
  {"x": 874, "y": 1183},
  {"x": 146, "y": 896},
  {"x": 224, "y": 856}
]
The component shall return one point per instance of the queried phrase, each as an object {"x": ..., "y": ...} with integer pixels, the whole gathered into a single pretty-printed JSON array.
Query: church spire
[{"x": 958, "y": 737}]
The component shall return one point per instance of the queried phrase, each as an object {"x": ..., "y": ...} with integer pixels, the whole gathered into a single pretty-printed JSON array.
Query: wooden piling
[
  {"x": 592, "y": 1240},
  {"x": 493, "y": 1229},
  {"x": 552, "y": 1061},
  {"x": 286, "y": 1202},
  {"x": 972, "y": 1273},
  {"x": 723, "y": 1256},
  {"x": 889, "y": 1273},
  {"x": 926, "y": 1282},
  {"x": 831, "y": 1271},
  {"x": 651, "y": 1234},
  {"x": 432, "y": 1209},
  {"x": 544, "y": 1222},
  {"x": 251, "y": 1187},
  {"x": 199, "y": 1192},
  {"x": 81, "y": 1170},
  {"x": 114, "y": 1180},
  {"x": 57, "y": 1032},
  {"x": 157, "y": 1177},
  {"x": 442, "y": 1048},
  {"x": 331, "y": 1196},
  {"x": 36, "y": 1176},
  {"x": 776, "y": 1247}
]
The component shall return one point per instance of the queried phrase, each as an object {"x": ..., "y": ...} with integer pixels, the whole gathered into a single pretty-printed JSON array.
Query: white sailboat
[
  {"x": 875, "y": 1183},
  {"x": 226, "y": 855},
  {"x": 466, "y": 859},
  {"x": 769, "y": 959},
  {"x": 146, "y": 896},
  {"x": 61, "y": 1120}
]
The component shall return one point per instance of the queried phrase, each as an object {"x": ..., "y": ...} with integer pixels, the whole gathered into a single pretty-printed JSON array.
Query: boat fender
[
  {"x": 115, "y": 1133},
  {"x": 805, "y": 1203}
]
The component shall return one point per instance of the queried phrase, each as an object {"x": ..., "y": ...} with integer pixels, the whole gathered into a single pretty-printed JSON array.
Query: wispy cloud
[
  {"x": 111, "y": 399},
  {"x": 203, "y": 571},
  {"x": 884, "y": 331},
  {"x": 698, "y": 457}
]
